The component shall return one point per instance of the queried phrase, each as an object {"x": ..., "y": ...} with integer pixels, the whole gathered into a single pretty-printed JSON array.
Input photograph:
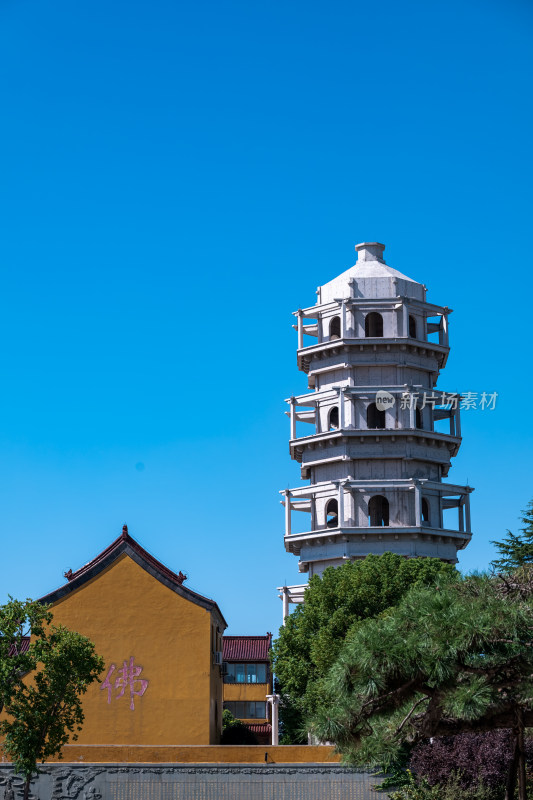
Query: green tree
[
  {"x": 447, "y": 660},
  {"x": 335, "y": 604},
  {"x": 517, "y": 548},
  {"x": 45, "y": 711},
  {"x": 19, "y": 619}
]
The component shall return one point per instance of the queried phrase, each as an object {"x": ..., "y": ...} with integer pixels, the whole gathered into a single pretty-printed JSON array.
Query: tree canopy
[
  {"x": 41, "y": 684},
  {"x": 19, "y": 620},
  {"x": 517, "y": 548},
  {"x": 335, "y": 604},
  {"x": 448, "y": 659}
]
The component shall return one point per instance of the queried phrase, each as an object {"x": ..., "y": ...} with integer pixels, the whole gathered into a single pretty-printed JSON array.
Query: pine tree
[
  {"x": 450, "y": 659},
  {"x": 517, "y": 548}
]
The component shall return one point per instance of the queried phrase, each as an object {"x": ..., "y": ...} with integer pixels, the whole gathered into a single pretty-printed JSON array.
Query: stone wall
[{"x": 191, "y": 782}]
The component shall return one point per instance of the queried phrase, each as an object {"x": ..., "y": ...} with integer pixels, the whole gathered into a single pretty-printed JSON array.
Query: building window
[
  {"x": 378, "y": 511},
  {"x": 332, "y": 514},
  {"x": 418, "y": 418},
  {"x": 247, "y": 709},
  {"x": 245, "y": 673},
  {"x": 335, "y": 328},
  {"x": 425, "y": 510},
  {"x": 412, "y": 327},
  {"x": 333, "y": 423},
  {"x": 373, "y": 325},
  {"x": 374, "y": 417}
]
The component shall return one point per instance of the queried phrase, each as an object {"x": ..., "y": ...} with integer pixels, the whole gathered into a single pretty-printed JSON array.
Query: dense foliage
[
  {"x": 474, "y": 757},
  {"x": 234, "y": 731},
  {"x": 450, "y": 789},
  {"x": 450, "y": 659},
  {"x": 19, "y": 619},
  {"x": 335, "y": 604},
  {"x": 517, "y": 548},
  {"x": 44, "y": 710}
]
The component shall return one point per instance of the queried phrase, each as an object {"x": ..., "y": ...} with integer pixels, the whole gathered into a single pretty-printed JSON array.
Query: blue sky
[{"x": 176, "y": 179}]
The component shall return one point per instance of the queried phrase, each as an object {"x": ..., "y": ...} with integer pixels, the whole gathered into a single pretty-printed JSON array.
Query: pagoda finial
[
  {"x": 124, "y": 530},
  {"x": 370, "y": 251}
]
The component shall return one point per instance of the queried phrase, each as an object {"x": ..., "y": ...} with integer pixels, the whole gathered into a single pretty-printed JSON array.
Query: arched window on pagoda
[
  {"x": 418, "y": 418},
  {"x": 373, "y": 325},
  {"x": 425, "y": 510},
  {"x": 378, "y": 511},
  {"x": 374, "y": 417},
  {"x": 333, "y": 419},
  {"x": 412, "y": 327},
  {"x": 335, "y": 328},
  {"x": 332, "y": 514}
]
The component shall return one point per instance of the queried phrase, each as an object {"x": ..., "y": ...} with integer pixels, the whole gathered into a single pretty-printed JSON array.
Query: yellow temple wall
[
  {"x": 129, "y": 614},
  {"x": 216, "y": 754}
]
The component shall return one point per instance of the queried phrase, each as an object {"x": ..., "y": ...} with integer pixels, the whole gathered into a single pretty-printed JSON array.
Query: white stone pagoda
[{"x": 369, "y": 435}]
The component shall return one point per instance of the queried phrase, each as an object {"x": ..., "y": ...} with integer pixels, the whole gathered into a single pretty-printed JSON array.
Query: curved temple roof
[{"x": 127, "y": 544}]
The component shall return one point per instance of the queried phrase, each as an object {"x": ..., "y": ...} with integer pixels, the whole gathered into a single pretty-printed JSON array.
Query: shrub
[
  {"x": 472, "y": 756},
  {"x": 451, "y": 789},
  {"x": 234, "y": 731}
]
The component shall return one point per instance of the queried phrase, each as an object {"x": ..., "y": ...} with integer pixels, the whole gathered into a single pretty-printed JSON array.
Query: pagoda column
[
  {"x": 300, "y": 329},
  {"x": 418, "y": 506},
  {"x": 341, "y": 408},
  {"x": 467, "y": 513},
  {"x": 340, "y": 504},
  {"x": 287, "y": 513},
  {"x": 405, "y": 320},
  {"x": 293, "y": 417}
]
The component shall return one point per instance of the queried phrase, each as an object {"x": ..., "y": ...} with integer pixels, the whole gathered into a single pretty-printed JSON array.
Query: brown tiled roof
[
  {"x": 126, "y": 544},
  {"x": 259, "y": 727},
  {"x": 24, "y": 646},
  {"x": 246, "y": 648}
]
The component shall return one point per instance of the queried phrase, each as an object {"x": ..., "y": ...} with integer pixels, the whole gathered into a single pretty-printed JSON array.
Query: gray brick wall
[{"x": 192, "y": 782}]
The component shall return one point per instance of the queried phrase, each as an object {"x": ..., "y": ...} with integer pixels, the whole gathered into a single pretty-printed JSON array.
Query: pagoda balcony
[
  {"x": 342, "y": 412},
  {"x": 338, "y": 507},
  {"x": 351, "y": 320},
  {"x": 339, "y": 325},
  {"x": 291, "y": 594},
  {"x": 295, "y": 542}
]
